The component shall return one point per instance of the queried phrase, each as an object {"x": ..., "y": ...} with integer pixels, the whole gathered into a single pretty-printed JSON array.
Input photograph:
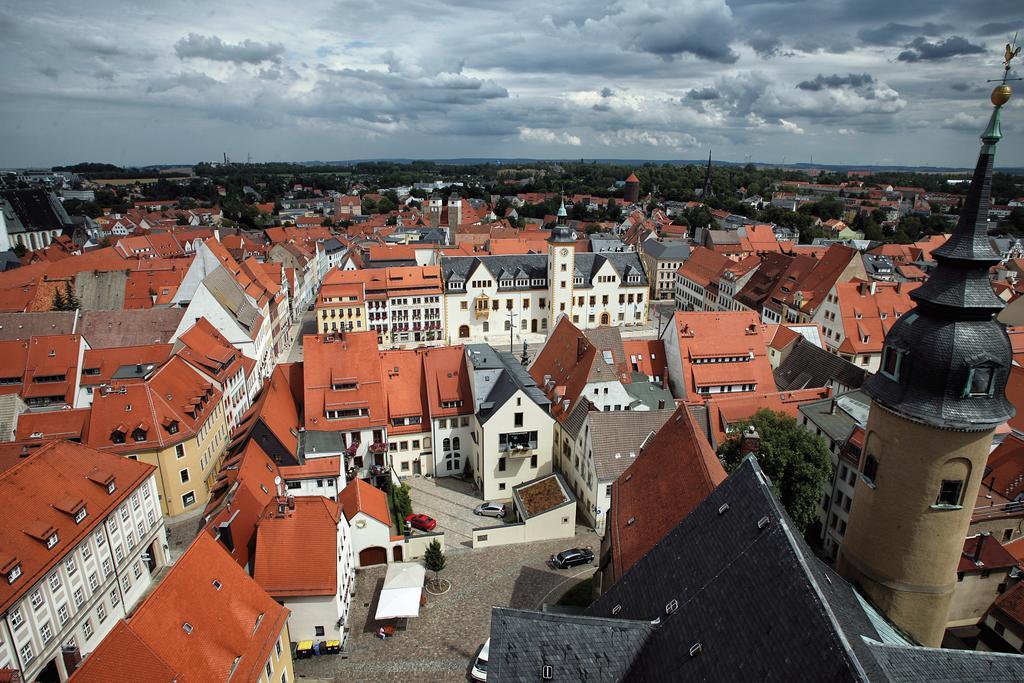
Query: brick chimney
[{"x": 750, "y": 443}]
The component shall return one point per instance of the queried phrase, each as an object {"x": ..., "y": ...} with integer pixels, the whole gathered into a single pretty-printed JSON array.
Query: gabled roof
[
  {"x": 359, "y": 496},
  {"x": 808, "y": 366},
  {"x": 349, "y": 360},
  {"x": 125, "y": 656},
  {"x": 106, "y": 329},
  {"x": 618, "y": 435},
  {"x": 32, "y": 488},
  {"x": 297, "y": 549},
  {"x": 207, "y": 620},
  {"x": 676, "y": 465}
]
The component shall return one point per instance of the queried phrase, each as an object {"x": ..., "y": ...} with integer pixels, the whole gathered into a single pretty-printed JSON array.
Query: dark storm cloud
[
  {"x": 821, "y": 81},
  {"x": 998, "y": 28},
  {"x": 894, "y": 34},
  {"x": 213, "y": 48},
  {"x": 49, "y": 72},
  {"x": 703, "y": 95},
  {"x": 765, "y": 45},
  {"x": 194, "y": 80},
  {"x": 607, "y": 92},
  {"x": 97, "y": 46},
  {"x": 922, "y": 50}
]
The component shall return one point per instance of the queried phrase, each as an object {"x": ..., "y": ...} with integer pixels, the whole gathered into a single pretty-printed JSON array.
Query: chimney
[
  {"x": 291, "y": 502},
  {"x": 751, "y": 442},
  {"x": 874, "y": 286}
]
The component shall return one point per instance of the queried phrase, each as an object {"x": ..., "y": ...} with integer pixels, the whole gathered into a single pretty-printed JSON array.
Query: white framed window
[
  {"x": 124, "y": 513},
  {"x": 70, "y": 566},
  {"x": 106, "y": 566},
  {"x": 101, "y": 612},
  {"x": 118, "y": 554},
  {"x": 93, "y": 580},
  {"x": 46, "y": 632},
  {"x": 87, "y": 628},
  {"x": 54, "y": 580},
  {"x": 62, "y": 614},
  {"x": 26, "y": 653},
  {"x": 36, "y": 599},
  {"x": 79, "y": 597},
  {"x": 126, "y": 583},
  {"x": 137, "y": 569},
  {"x": 86, "y": 551},
  {"x": 115, "y": 597}
]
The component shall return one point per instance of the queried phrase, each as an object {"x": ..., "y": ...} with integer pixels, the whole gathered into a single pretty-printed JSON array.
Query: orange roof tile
[
  {"x": 232, "y": 623},
  {"x": 33, "y": 486},
  {"x": 124, "y": 656},
  {"x": 297, "y": 549},
  {"x": 359, "y": 496}
]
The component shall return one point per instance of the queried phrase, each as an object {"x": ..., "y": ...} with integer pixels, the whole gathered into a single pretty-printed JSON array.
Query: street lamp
[{"x": 511, "y": 329}]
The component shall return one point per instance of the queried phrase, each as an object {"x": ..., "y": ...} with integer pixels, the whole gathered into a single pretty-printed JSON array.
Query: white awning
[{"x": 403, "y": 587}]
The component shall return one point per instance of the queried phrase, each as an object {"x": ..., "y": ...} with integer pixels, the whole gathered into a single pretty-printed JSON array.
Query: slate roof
[
  {"x": 616, "y": 437},
  {"x": 808, "y": 366},
  {"x": 461, "y": 268},
  {"x": 24, "y": 325},
  {"x": 138, "y": 327},
  {"x": 668, "y": 251},
  {"x": 575, "y": 647},
  {"x": 513, "y": 378},
  {"x": 736, "y": 594},
  {"x": 33, "y": 209},
  {"x": 838, "y": 424}
]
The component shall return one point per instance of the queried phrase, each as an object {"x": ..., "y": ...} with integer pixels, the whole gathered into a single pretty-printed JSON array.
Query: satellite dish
[{"x": 277, "y": 481}]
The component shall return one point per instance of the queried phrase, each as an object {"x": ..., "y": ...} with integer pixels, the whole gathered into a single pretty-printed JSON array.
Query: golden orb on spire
[{"x": 1001, "y": 94}]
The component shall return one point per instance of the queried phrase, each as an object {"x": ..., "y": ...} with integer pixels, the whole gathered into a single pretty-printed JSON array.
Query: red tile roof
[
  {"x": 124, "y": 656},
  {"x": 704, "y": 267},
  {"x": 314, "y": 468},
  {"x": 243, "y": 488},
  {"x": 982, "y": 552},
  {"x": 351, "y": 359},
  {"x": 673, "y": 474},
  {"x": 297, "y": 549},
  {"x": 727, "y": 410},
  {"x": 869, "y": 310},
  {"x": 649, "y": 355},
  {"x": 359, "y": 496},
  {"x": 233, "y": 624},
  {"x": 205, "y": 348},
  {"x": 1009, "y": 607},
  {"x": 109, "y": 361},
  {"x": 1004, "y": 472},
  {"x": 59, "y": 470}
]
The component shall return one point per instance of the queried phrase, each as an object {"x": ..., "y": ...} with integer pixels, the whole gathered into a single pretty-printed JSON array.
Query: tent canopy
[{"x": 400, "y": 596}]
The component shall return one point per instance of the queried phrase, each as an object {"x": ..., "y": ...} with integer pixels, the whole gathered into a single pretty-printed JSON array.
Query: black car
[{"x": 572, "y": 558}]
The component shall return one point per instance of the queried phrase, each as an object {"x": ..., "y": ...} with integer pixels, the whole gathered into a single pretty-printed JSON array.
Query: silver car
[{"x": 490, "y": 510}]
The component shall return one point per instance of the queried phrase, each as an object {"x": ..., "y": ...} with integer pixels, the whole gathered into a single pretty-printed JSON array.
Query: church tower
[
  {"x": 561, "y": 267},
  {"x": 708, "y": 191},
  {"x": 936, "y": 401},
  {"x": 434, "y": 207}
]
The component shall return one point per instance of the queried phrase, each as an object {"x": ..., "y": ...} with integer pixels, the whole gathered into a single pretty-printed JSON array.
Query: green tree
[
  {"x": 796, "y": 461},
  {"x": 434, "y": 559},
  {"x": 401, "y": 504},
  {"x": 59, "y": 302},
  {"x": 70, "y": 299}
]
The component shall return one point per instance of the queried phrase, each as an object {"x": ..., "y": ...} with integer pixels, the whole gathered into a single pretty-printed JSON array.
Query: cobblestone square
[{"x": 440, "y": 643}]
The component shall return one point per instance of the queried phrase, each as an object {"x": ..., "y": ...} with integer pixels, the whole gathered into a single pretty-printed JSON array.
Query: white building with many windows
[
  {"x": 528, "y": 293},
  {"x": 78, "y": 548}
]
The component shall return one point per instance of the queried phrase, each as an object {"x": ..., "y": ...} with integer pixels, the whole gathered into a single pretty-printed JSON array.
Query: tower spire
[
  {"x": 708, "y": 190},
  {"x": 936, "y": 400}
]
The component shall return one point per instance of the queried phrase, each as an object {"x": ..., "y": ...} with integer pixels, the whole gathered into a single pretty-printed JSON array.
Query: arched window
[
  {"x": 463, "y": 331},
  {"x": 447, "y": 444},
  {"x": 456, "y": 443}
]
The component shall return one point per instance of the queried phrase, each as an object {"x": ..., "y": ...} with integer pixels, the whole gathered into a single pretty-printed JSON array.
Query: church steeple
[
  {"x": 946, "y": 362},
  {"x": 936, "y": 401},
  {"x": 708, "y": 190}
]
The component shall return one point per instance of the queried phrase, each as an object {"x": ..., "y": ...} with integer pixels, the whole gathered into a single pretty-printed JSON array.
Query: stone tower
[
  {"x": 936, "y": 401},
  {"x": 631, "y": 190},
  {"x": 561, "y": 267},
  {"x": 434, "y": 207},
  {"x": 454, "y": 212}
]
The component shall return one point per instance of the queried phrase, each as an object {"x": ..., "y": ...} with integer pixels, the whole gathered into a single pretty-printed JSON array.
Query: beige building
[
  {"x": 340, "y": 307},
  {"x": 661, "y": 261}
]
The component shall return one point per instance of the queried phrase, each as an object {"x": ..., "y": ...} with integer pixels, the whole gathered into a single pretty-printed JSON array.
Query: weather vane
[{"x": 1001, "y": 93}]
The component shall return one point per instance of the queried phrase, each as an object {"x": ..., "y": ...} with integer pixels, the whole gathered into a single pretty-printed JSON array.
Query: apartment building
[
  {"x": 77, "y": 551},
  {"x": 662, "y": 260},
  {"x": 402, "y": 304},
  {"x": 206, "y": 621}
]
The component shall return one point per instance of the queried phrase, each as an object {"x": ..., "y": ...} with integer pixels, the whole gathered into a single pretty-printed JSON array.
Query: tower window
[
  {"x": 950, "y": 492},
  {"x": 980, "y": 381},
  {"x": 892, "y": 359},
  {"x": 870, "y": 469}
]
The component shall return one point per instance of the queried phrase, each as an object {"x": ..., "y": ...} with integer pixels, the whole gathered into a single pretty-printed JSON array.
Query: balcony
[{"x": 378, "y": 447}]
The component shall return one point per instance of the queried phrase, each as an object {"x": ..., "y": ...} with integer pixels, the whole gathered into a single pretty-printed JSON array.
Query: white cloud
[
  {"x": 548, "y": 137},
  {"x": 791, "y": 127}
]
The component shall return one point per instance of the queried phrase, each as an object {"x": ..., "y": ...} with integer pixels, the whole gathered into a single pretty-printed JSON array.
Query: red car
[{"x": 421, "y": 522}]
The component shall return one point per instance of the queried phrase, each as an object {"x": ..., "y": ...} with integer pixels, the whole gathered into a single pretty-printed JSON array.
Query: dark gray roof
[
  {"x": 576, "y": 648},
  {"x": 573, "y": 422},
  {"x": 616, "y": 437},
  {"x": 952, "y": 335},
  {"x": 101, "y": 291},
  {"x": 809, "y": 367},
  {"x": 914, "y": 664},
  {"x": 229, "y": 294},
  {"x": 670, "y": 251},
  {"x": 646, "y": 393},
  {"x": 28, "y": 210},
  {"x": 313, "y": 442},
  {"x": 513, "y": 377},
  {"x": 838, "y": 416},
  {"x": 735, "y": 594},
  {"x": 536, "y": 266}
]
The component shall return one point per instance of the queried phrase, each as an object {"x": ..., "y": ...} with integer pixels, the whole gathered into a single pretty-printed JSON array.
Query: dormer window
[
  {"x": 980, "y": 381},
  {"x": 111, "y": 487},
  {"x": 52, "y": 540},
  {"x": 117, "y": 436},
  {"x": 892, "y": 359},
  {"x": 14, "y": 574},
  {"x": 577, "y": 280},
  {"x": 138, "y": 434},
  {"x": 172, "y": 427},
  {"x": 80, "y": 515}
]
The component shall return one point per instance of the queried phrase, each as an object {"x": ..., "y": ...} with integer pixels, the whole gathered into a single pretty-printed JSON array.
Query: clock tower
[
  {"x": 935, "y": 403},
  {"x": 561, "y": 266}
]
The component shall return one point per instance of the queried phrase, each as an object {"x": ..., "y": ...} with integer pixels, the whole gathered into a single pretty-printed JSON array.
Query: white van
[{"x": 479, "y": 672}]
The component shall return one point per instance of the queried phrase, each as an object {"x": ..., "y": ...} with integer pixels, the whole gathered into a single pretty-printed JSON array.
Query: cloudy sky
[{"x": 839, "y": 81}]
